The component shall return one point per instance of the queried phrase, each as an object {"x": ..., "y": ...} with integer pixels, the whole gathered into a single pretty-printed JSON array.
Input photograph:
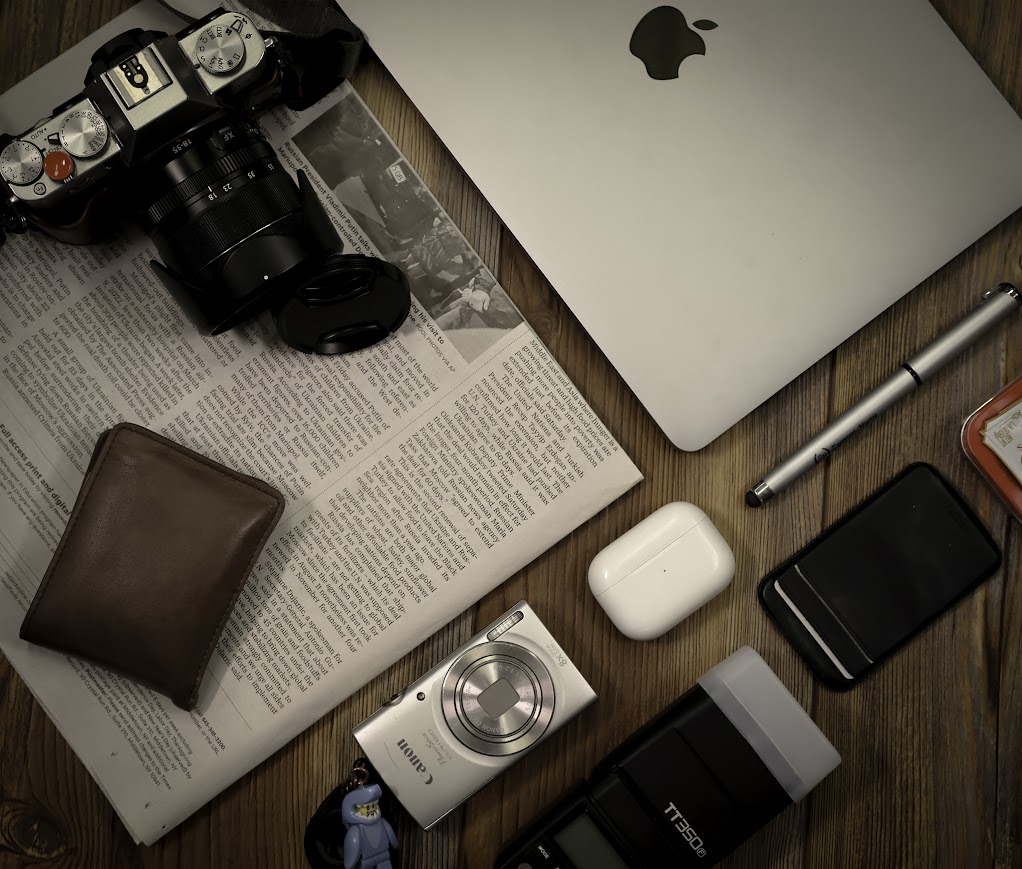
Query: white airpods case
[{"x": 661, "y": 571}]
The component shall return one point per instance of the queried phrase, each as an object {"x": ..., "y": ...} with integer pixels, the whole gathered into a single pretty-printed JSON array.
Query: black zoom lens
[{"x": 228, "y": 221}]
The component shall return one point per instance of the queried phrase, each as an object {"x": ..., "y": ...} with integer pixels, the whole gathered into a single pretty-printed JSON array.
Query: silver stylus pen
[{"x": 998, "y": 303}]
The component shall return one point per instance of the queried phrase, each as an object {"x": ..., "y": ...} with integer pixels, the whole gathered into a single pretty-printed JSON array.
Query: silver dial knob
[
  {"x": 83, "y": 133},
  {"x": 21, "y": 163},
  {"x": 220, "y": 50}
]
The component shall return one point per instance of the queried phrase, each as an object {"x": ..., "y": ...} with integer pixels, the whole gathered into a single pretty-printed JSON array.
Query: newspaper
[{"x": 419, "y": 474}]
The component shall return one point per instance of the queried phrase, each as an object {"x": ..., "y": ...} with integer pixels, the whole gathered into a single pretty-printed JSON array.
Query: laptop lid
[{"x": 719, "y": 231}]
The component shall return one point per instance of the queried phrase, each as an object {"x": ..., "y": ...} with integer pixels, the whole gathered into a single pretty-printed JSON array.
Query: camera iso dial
[{"x": 21, "y": 163}]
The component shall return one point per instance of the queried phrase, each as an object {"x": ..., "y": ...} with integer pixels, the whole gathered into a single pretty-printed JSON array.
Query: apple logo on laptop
[{"x": 663, "y": 39}]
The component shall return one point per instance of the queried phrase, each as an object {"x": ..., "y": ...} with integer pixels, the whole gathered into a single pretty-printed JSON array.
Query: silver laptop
[{"x": 724, "y": 191}]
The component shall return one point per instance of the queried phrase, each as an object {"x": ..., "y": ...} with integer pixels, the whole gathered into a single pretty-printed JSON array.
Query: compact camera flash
[{"x": 505, "y": 625}]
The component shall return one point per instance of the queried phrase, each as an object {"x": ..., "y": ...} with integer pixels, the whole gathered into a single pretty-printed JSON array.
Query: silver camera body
[
  {"x": 143, "y": 101},
  {"x": 473, "y": 715}
]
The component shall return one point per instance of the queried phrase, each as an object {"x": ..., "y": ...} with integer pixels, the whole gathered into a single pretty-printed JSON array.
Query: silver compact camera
[{"x": 473, "y": 715}]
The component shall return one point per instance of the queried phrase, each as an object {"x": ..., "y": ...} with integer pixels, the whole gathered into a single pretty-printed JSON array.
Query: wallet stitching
[{"x": 174, "y": 449}]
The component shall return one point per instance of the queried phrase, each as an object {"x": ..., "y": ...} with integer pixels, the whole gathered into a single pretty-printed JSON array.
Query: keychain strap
[{"x": 332, "y": 838}]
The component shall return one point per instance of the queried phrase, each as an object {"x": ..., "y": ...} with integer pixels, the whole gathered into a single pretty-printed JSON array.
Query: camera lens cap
[{"x": 350, "y": 302}]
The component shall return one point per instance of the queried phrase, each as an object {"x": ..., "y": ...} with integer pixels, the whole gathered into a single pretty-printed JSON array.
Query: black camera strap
[{"x": 319, "y": 44}]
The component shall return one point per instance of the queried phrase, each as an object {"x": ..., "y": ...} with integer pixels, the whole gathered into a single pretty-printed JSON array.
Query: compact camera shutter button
[
  {"x": 21, "y": 163},
  {"x": 83, "y": 133},
  {"x": 58, "y": 166},
  {"x": 220, "y": 50}
]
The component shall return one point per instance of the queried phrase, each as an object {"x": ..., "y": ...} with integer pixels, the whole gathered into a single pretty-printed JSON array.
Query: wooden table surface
[{"x": 932, "y": 744}]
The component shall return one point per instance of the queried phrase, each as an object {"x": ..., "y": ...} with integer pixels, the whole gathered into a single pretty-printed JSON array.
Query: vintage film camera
[
  {"x": 473, "y": 715},
  {"x": 163, "y": 132}
]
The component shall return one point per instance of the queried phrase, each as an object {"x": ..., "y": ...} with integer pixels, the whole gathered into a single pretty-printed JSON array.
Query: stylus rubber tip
[{"x": 752, "y": 499}]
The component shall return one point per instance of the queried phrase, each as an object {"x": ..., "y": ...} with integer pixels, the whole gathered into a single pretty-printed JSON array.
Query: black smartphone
[{"x": 879, "y": 575}]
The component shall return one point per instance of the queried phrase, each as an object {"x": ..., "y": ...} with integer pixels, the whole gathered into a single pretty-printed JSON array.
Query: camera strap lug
[{"x": 11, "y": 220}]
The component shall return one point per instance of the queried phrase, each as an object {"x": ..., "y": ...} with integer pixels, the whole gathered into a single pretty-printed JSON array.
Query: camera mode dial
[
  {"x": 220, "y": 50},
  {"x": 21, "y": 163},
  {"x": 83, "y": 133}
]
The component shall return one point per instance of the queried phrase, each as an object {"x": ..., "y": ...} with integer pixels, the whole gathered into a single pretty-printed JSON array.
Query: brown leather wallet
[{"x": 157, "y": 549}]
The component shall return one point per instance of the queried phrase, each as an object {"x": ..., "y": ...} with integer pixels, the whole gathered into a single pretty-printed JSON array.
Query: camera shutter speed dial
[
  {"x": 21, "y": 163},
  {"x": 220, "y": 50},
  {"x": 83, "y": 133}
]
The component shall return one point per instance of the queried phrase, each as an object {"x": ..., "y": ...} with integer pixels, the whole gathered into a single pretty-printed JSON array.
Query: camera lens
[{"x": 228, "y": 221}]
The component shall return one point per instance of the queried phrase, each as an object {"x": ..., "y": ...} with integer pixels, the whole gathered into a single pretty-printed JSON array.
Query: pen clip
[{"x": 1006, "y": 288}]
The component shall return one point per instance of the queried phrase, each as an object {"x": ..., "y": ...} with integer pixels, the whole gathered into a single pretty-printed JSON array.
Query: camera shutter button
[{"x": 58, "y": 166}]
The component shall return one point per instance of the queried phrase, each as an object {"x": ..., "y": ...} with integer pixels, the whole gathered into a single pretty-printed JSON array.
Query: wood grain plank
[{"x": 1006, "y": 830}]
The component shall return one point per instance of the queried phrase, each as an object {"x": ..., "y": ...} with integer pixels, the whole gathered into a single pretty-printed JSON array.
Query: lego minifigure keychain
[{"x": 367, "y": 837}]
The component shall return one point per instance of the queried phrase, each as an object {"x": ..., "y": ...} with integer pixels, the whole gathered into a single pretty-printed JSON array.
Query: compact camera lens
[
  {"x": 227, "y": 219},
  {"x": 498, "y": 698}
]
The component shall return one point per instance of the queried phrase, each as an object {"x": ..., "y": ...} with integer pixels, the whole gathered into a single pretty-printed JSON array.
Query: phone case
[
  {"x": 989, "y": 464},
  {"x": 879, "y": 575}
]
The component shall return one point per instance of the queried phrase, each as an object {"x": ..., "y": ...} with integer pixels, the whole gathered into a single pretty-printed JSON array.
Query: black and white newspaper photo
[{"x": 372, "y": 180}]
